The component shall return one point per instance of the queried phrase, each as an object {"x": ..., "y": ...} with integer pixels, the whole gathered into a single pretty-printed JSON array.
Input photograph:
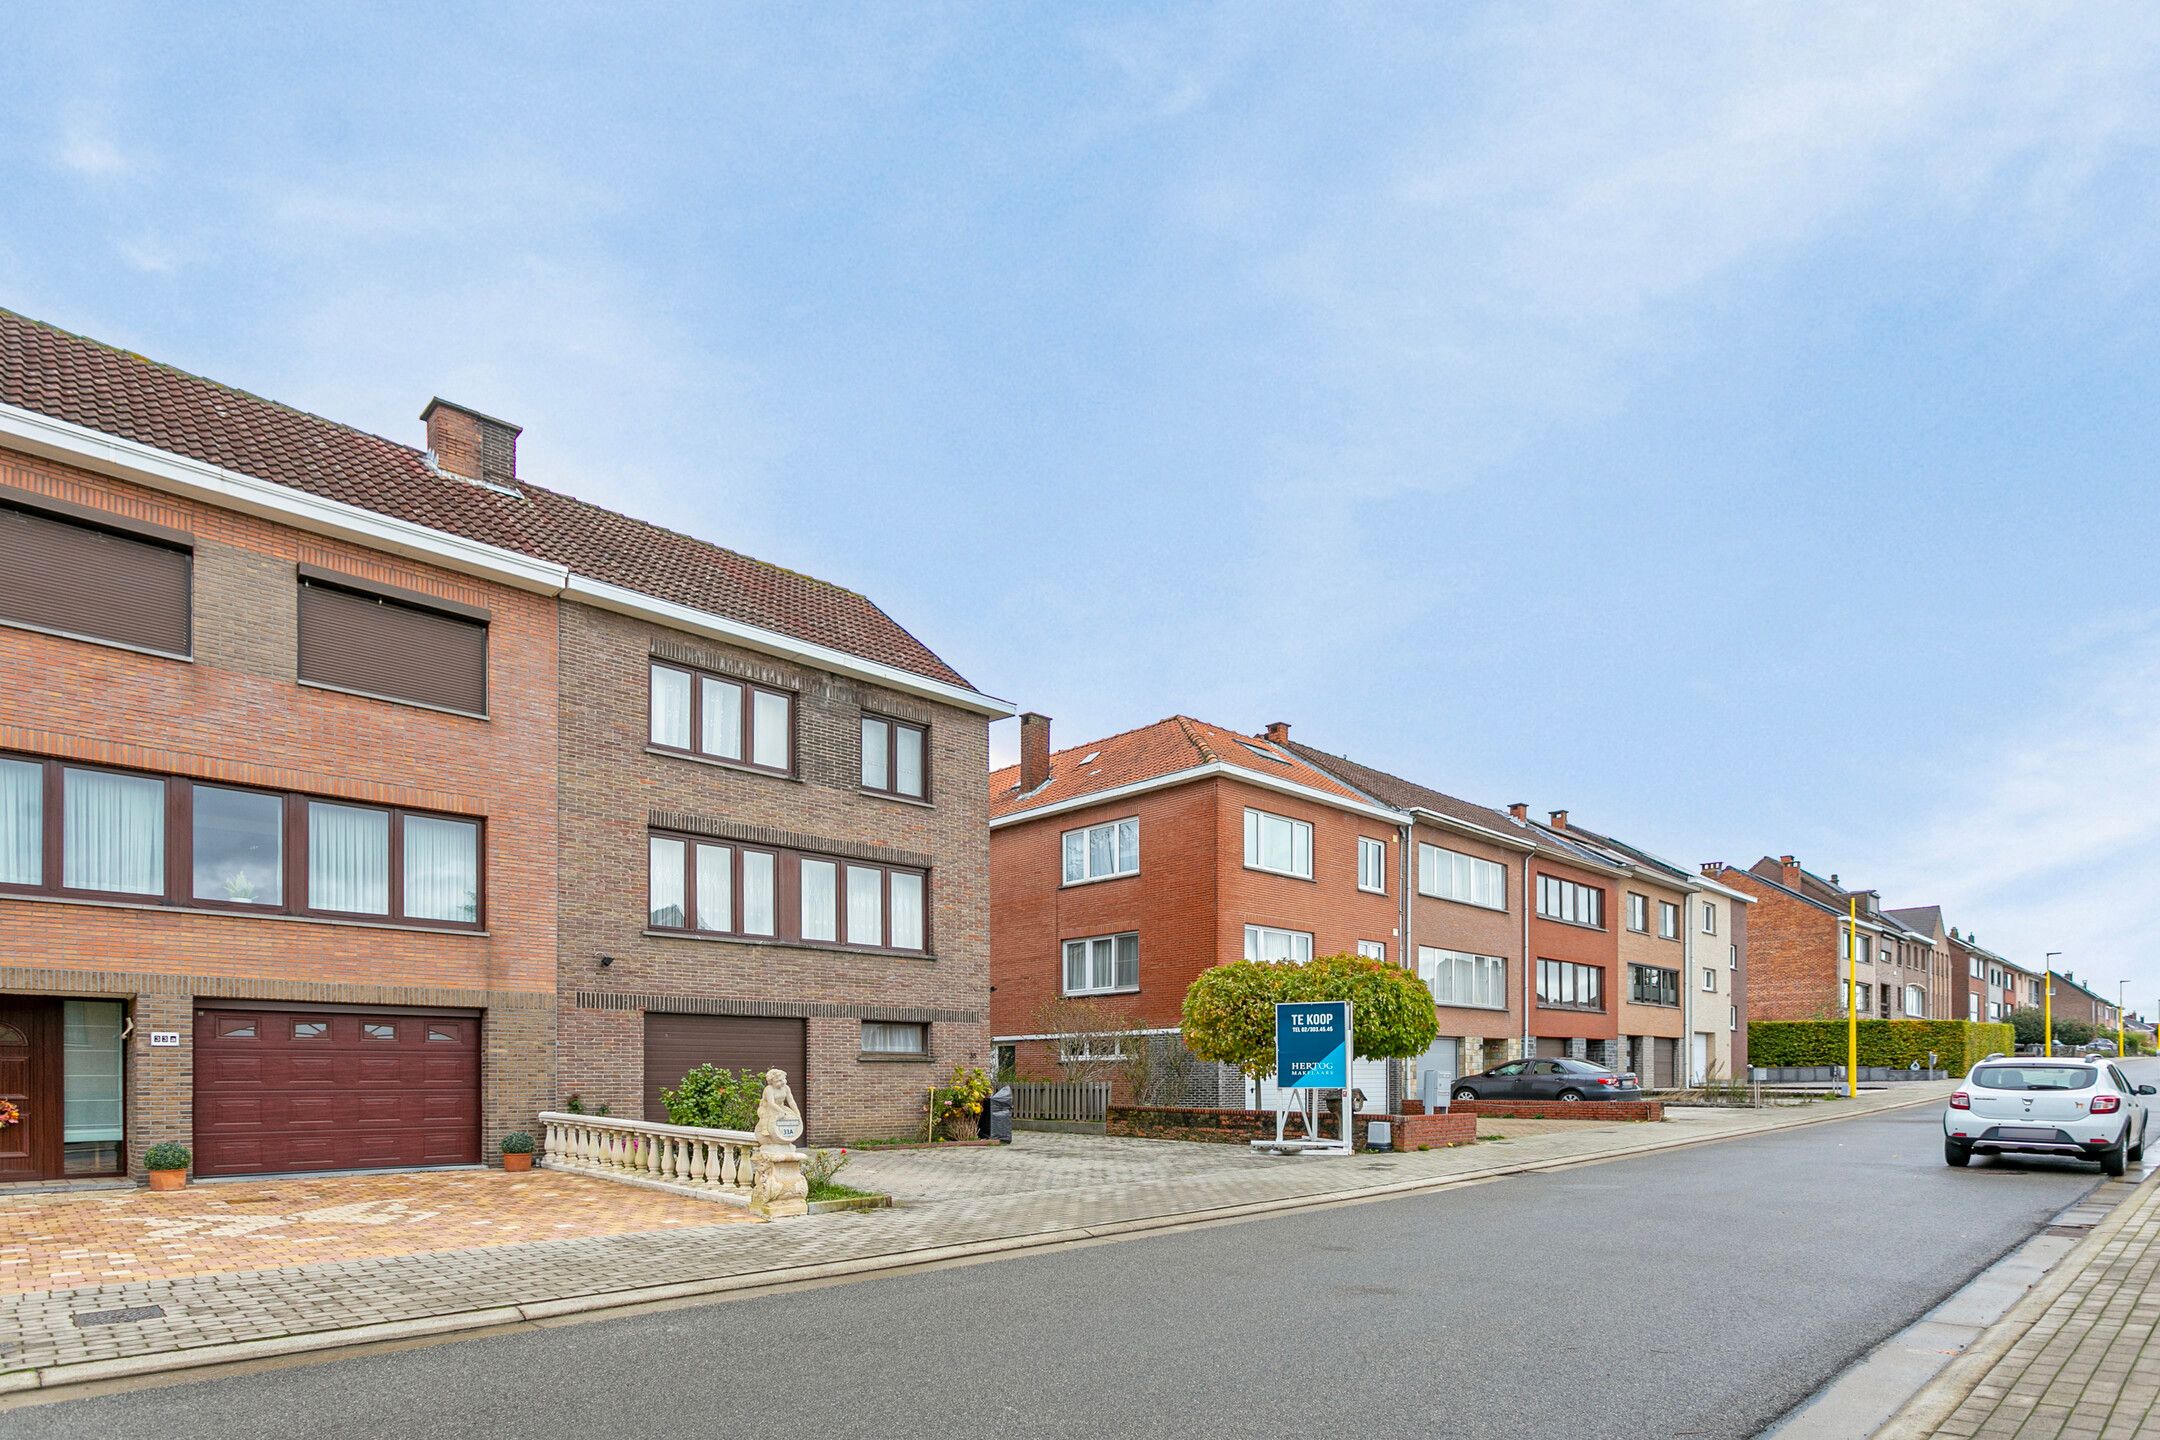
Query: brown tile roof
[
  {"x": 86, "y": 383},
  {"x": 1149, "y": 753}
]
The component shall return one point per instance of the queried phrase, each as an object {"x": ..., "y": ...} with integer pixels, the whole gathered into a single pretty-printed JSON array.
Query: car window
[
  {"x": 2120, "y": 1083},
  {"x": 1513, "y": 1067},
  {"x": 2036, "y": 1077},
  {"x": 1546, "y": 1067}
]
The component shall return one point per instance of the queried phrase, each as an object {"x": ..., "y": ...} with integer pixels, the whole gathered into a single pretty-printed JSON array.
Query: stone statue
[{"x": 777, "y": 1186}]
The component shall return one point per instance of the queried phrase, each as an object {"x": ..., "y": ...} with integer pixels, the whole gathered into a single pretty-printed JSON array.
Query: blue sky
[{"x": 1732, "y": 423}]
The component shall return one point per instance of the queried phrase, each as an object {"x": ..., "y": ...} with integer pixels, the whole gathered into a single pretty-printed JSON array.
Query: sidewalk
[
  {"x": 2077, "y": 1359},
  {"x": 953, "y": 1204}
]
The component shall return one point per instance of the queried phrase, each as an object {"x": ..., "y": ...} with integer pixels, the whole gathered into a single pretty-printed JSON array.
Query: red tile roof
[
  {"x": 86, "y": 383},
  {"x": 1151, "y": 752}
]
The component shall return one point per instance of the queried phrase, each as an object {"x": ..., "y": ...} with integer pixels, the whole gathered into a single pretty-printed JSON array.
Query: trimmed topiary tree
[{"x": 1230, "y": 1010}]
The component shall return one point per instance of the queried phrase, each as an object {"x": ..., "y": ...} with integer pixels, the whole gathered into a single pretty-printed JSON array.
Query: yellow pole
[
  {"x": 1852, "y": 1000},
  {"x": 2119, "y": 987},
  {"x": 2047, "y": 1007}
]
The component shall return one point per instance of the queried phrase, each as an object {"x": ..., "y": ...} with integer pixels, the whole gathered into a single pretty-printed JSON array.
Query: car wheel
[
  {"x": 1464, "y": 1092},
  {"x": 1956, "y": 1154},
  {"x": 1571, "y": 1095},
  {"x": 2137, "y": 1151},
  {"x": 2113, "y": 1163}
]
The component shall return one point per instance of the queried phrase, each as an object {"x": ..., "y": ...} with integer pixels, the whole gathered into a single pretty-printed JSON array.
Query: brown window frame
[
  {"x": 787, "y": 896},
  {"x": 751, "y": 689},
  {"x": 893, "y": 726},
  {"x": 177, "y": 892}
]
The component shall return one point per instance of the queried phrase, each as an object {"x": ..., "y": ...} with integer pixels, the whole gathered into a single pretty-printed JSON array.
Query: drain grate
[{"x": 119, "y": 1317}]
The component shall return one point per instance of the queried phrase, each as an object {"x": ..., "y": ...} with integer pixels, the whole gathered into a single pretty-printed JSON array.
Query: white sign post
[{"x": 1312, "y": 1057}]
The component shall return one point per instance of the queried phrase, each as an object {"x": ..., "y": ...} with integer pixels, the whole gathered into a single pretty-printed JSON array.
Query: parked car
[
  {"x": 2047, "y": 1107},
  {"x": 1568, "y": 1080}
]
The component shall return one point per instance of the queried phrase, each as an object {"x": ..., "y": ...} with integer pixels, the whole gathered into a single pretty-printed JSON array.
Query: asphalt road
[{"x": 1699, "y": 1292}]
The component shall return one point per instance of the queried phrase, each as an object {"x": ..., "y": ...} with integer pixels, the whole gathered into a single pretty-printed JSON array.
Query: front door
[
  {"x": 30, "y": 1081},
  {"x": 1699, "y": 1059}
]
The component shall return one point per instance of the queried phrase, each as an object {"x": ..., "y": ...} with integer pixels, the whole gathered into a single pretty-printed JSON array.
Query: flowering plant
[{"x": 9, "y": 1115}]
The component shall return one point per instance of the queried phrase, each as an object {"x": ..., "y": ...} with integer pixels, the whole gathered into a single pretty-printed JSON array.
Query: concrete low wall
[{"x": 1563, "y": 1109}]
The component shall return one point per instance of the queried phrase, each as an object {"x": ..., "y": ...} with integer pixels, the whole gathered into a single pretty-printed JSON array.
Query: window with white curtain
[
  {"x": 671, "y": 707},
  {"x": 1102, "y": 964},
  {"x": 22, "y": 823},
  {"x": 819, "y": 887},
  {"x": 348, "y": 859},
  {"x": 1469, "y": 879},
  {"x": 760, "y": 909},
  {"x": 715, "y": 887},
  {"x": 1265, "y": 942},
  {"x": 1098, "y": 852},
  {"x": 865, "y": 905},
  {"x": 1459, "y": 978},
  {"x": 666, "y": 901},
  {"x": 711, "y": 715},
  {"x": 1278, "y": 843},
  {"x": 886, "y": 1037},
  {"x": 907, "y": 910},
  {"x": 892, "y": 757},
  {"x": 1372, "y": 949},
  {"x": 442, "y": 869},
  {"x": 112, "y": 837},
  {"x": 770, "y": 731}
]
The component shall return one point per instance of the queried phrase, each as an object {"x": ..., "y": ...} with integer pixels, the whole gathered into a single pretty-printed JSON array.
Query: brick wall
[
  {"x": 1242, "y": 1127},
  {"x": 1563, "y": 1109},
  {"x": 236, "y": 713},
  {"x": 1793, "y": 971},
  {"x": 1557, "y": 940},
  {"x": 1474, "y": 930},
  {"x": 612, "y": 785}
]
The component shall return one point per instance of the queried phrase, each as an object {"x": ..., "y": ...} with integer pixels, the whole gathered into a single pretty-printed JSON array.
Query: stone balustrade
[{"x": 715, "y": 1164}]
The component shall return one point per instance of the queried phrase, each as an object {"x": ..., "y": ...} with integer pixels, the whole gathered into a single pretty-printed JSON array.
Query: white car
[{"x": 2047, "y": 1107}]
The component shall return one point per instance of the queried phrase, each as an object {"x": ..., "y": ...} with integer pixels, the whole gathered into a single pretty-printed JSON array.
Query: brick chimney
[
  {"x": 1791, "y": 871},
  {"x": 1034, "y": 750},
  {"x": 1558, "y": 818},
  {"x": 1711, "y": 868},
  {"x": 1278, "y": 732},
  {"x": 1520, "y": 810},
  {"x": 470, "y": 445}
]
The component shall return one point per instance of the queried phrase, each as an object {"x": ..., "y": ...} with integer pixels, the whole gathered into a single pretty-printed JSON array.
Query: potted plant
[
  {"x": 167, "y": 1163},
  {"x": 517, "y": 1151}
]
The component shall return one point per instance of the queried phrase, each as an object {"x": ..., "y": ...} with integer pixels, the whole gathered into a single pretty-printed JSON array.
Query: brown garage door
[
  {"x": 677, "y": 1044},
  {"x": 1665, "y": 1063},
  {"x": 281, "y": 1090}
]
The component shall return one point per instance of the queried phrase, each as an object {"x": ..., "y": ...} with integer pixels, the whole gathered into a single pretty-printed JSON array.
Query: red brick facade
[{"x": 236, "y": 713}]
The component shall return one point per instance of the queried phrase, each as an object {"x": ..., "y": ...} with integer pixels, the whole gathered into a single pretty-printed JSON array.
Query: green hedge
[{"x": 1958, "y": 1044}]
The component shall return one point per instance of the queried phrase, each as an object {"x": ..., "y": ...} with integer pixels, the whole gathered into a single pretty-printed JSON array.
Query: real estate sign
[{"x": 1312, "y": 1045}]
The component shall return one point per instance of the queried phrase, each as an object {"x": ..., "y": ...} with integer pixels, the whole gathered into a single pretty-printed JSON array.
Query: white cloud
[{"x": 88, "y": 152}]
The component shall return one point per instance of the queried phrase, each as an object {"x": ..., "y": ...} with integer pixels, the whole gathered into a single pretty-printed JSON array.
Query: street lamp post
[{"x": 2047, "y": 1001}]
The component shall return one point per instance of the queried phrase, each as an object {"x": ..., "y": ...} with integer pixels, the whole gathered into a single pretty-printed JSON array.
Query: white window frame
[
  {"x": 1638, "y": 913},
  {"x": 1255, "y": 937},
  {"x": 1256, "y": 822},
  {"x": 1916, "y": 1002},
  {"x": 885, "y": 1028},
  {"x": 1372, "y": 949},
  {"x": 1564, "y": 900},
  {"x": 1124, "y": 851},
  {"x": 1668, "y": 920},
  {"x": 1074, "y": 1049},
  {"x": 1371, "y": 865},
  {"x": 1112, "y": 946},
  {"x": 1446, "y": 874},
  {"x": 1709, "y": 918},
  {"x": 1488, "y": 973},
  {"x": 1709, "y": 979}
]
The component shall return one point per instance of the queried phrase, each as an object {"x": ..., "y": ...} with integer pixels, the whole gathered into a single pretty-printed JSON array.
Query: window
[
  {"x": 1732, "y": 1017},
  {"x": 1094, "y": 1047},
  {"x": 1102, "y": 964},
  {"x": 1263, "y": 942},
  {"x": 708, "y": 887},
  {"x": 348, "y": 859},
  {"x": 1915, "y": 1001},
  {"x": 1277, "y": 843},
  {"x": 1564, "y": 985},
  {"x": 1653, "y": 985},
  {"x": 1709, "y": 918},
  {"x": 1451, "y": 875},
  {"x": 112, "y": 833},
  {"x": 1668, "y": 920},
  {"x": 1638, "y": 912},
  {"x": 92, "y": 1110},
  {"x": 1709, "y": 979},
  {"x": 239, "y": 847},
  {"x": 887, "y": 1037},
  {"x": 372, "y": 1030},
  {"x": 1102, "y": 851},
  {"x": 893, "y": 757},
  {"x": 1975, "y": 963},
  {"x": 1372, "y": 864},
  {"x": 79, "y": 573},
  {"x": 442, "y": 869},
  {"x": 310, "y": 1029},
  {"x": 1861, "y": 1000},
  {"x": 22, "y": 823},
  {"x": 1573, "y": 904},
  {"x": 1972, "y": 1007},
  {"x": 730, "y": 720},
  {"x": 437, "y": 1033},
  {"x": 392, "y": 644},
  {"x": 1372, "y": 949},
  {"x": 1458, "y": 978}
]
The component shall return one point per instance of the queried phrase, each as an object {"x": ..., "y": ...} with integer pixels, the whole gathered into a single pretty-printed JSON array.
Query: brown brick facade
[
  {"x": 615, "y": 789},
  {"x": 235, "y": 713}
]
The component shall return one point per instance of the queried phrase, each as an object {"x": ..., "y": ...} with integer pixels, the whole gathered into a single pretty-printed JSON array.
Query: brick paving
[
  {"x": 2080, "y": 1364},
  {"x": 64, "y": 1241},
  {"x": 1044, "y": 1187}
]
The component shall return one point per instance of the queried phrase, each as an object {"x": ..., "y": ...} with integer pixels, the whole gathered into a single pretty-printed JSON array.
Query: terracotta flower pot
[
  {"x": 518, "y": 1162},
  {"x": 168, "y": 1179}
]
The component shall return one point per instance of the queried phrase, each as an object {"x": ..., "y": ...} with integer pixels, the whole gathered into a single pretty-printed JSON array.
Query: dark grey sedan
[{"x": 1569, "y": 1080}]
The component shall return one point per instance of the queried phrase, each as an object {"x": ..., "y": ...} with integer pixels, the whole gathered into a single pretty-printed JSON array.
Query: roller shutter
[
  {"x": 377, "y": 645},
  {"x": 84, "y": 579},
  {"x": 677, "y": 1044}
]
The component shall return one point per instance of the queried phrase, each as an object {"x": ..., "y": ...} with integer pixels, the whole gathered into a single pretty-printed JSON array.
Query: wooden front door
[{"x": 30, "y": 1079}]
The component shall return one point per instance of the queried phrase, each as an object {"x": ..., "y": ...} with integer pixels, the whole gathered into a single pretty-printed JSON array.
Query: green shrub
[
  {"x": 714, "y": 1099},
  {"x": 517, "y": 1142},
  {"x": 167, "y": 1155},
  {"x": 1892, "y": 1044},
  {"x": 1229, "y": 1013}
]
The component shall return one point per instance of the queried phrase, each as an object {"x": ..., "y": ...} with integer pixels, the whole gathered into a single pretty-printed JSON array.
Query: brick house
[
  {"x": 2073, "y": 1001},
  {"x": 1928, "y": 945},
  {"x": 1122, "y": 868},
  {"x": 281, "y": 733},
  {"x": 1798, "y": 943}
]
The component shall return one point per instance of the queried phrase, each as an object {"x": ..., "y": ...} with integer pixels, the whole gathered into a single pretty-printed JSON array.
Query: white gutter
[
  {"x": 1213, "y": 769},
  {"x": 1464, "y": 827},
  {"x": 85, "y": 448}
]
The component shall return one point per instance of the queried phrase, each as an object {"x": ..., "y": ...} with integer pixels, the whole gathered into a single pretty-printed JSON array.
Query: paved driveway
[{"x": 110, "y": 1237}]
